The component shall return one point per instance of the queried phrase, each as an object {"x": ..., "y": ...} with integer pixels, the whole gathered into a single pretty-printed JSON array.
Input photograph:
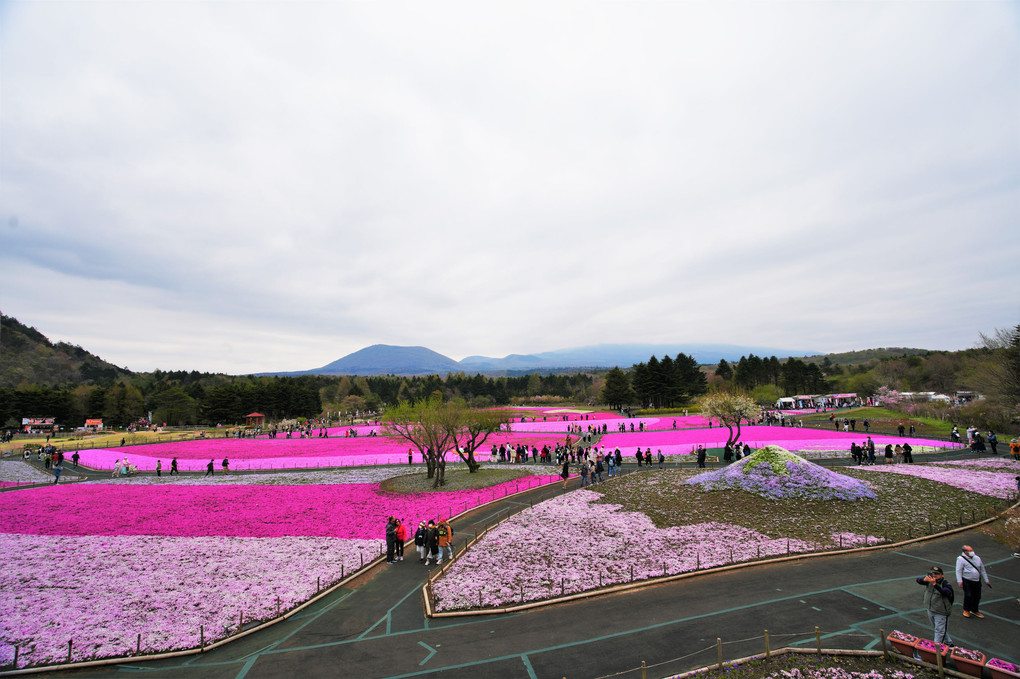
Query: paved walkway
[{"x": 374, "y": 627}]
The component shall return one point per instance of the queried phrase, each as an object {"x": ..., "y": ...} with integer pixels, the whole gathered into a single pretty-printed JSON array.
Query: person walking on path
[
  {"x": 938, "y": 602},
  {"x": 431, "y": 542},
  {"x": 173, "y": 467},
  {"x": 75, "y": 458},
  {"x": 391, "y": 538},
  {"x": 226, "y": 466},
  {"x": 1014, "y": 449},
  {"x": 970, "y": 571},
  {"x": 159, "y": 468},
  {"x": 401, "y": 539},
  {"x": 993, "y": 442},
  {"x": 419, "y": 541},
  {"x": 57, "y": 469},
  {"x": 565, "y": 473},
  {"x": 445, "y": 539},
  {"x": 702, "y": 456},
  {"x": 209, "y": 468}
]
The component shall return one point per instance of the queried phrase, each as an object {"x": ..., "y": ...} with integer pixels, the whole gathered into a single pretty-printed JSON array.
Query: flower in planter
[
  {"x": 903, "y": 636},
  {"x": 1003, "y": 665},
  {"x": 929, "y": 645},
  {"x": 961, "y": 652}
]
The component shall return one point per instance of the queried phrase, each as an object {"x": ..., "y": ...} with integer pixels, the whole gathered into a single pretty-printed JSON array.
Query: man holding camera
[{"x": 938, "y": 601}]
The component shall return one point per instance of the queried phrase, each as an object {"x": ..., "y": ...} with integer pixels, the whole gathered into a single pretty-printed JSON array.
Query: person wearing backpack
[
  {"x": 970, "y": 571},
  {"x": 938, "y": 601}
]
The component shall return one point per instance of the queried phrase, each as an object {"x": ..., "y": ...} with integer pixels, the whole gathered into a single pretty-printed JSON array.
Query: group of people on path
[
  {"x": 939, "y": 595},
  {"x": 432, "y": 540}
]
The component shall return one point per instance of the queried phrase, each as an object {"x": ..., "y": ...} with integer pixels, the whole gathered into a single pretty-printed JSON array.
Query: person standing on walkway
[
  {"x": 209, "y": 468},
  {"x": 401, "y": 533},
  {"x": 391, "y": 538},
  {"x": 970, "y": 571},
  {"x": 431, "y": 542},
  {"x": 702, "y": 456},
  {"x": 226, "y": 466},
  {"x": 565, "y": 472},
  {"x": 159, "y": 468},
  {"x": 445, "y": 537},
  {"x": 938, "y": 602},
  {"x": 419, "y": 542}
]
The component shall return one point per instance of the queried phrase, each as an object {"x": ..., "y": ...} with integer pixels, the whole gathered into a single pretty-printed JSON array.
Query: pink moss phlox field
[
  {"x": 993, "y": 484},
  {"x": 564, "y": 543},
  {"x": 683, "y": 441},
  {"x": 282, "y": 453},
  {"x": 995, "y": 464},
  {"x": 349, "y": 511},
  {"x": 101, "y": 592}
]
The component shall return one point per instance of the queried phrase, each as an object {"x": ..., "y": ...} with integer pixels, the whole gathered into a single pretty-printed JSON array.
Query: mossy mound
[{"x": 776, "y": 473}]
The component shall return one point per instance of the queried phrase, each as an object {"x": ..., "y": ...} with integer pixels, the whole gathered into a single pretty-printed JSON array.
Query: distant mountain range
[{"x": 385, "y": 359}]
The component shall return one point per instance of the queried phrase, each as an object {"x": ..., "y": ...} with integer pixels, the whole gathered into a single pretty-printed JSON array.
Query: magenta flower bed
[
  {"x": 792, "y": 438},
  {"x": 234, "y": 511}
]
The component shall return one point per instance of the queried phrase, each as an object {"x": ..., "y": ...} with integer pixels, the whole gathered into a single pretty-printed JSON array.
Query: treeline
[
  {"x": 656, "y": 383},
  {"x": 791, "y": 376},
  {"x": 182, "y": 398},
  {"x": 768, "y": 379}
]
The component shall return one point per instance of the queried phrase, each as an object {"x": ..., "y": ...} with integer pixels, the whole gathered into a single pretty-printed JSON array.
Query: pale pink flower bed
[
  {"x": 987, "y": 483},
  {"x": 1007, "y": 465},
  {"x": 282, "y": 453},
  {"x": 572, "y": 543},
  {"x": 101, "y": 592}
]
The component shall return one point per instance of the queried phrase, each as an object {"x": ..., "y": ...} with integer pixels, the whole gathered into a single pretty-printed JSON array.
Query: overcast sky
[{"x": 241, "y": 187}]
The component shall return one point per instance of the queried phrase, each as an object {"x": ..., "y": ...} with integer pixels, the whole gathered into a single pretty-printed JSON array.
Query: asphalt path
[{"x": 375, "y": 627}]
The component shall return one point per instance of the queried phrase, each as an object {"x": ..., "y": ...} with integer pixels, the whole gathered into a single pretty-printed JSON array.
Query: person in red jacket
[{"x": 401, "y": 534}]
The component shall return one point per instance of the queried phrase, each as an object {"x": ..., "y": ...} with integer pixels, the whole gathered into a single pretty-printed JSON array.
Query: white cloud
[{"x": 274, "y": 186}]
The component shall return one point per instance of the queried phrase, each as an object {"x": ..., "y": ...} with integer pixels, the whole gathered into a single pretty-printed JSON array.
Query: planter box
[
  {"x": 928, "y": 655},
  {"x": 968, "y": 666},
  {"x": 999, "y": 673},
  {"x": 903, "y": 646}
]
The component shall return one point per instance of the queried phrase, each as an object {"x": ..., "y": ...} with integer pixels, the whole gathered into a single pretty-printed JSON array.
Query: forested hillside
[{"x": 28, "y": 357}]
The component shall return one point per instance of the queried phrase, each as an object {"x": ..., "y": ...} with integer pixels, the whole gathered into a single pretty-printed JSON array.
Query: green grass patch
[
  {"x": 456, "y": 479},
  {"x": 902, "y": 510}
]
